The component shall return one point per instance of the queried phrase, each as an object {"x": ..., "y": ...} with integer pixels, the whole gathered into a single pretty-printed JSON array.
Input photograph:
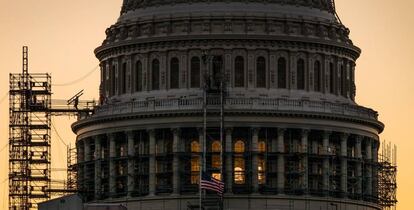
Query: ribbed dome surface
[{"x": 130, "y": 5}]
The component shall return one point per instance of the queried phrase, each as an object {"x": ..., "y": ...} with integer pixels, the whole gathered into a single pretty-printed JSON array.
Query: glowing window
[
  {"x": 239, "y": 170},
  {"x": 195, "y": 146},
  {"x": 261, "y": 171},
  {"x": 239, "y": 146},
  {"x": 216, "y": 146},
  {"x": 216, "y": 176},
  {"x": 215, "y": 161},
  {"x": 262, "y": 146}
]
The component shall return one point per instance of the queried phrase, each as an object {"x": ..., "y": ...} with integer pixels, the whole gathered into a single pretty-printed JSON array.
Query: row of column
[{"x": 228, "y": 161}]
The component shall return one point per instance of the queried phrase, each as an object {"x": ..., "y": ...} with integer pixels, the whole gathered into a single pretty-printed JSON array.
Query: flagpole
[
  {"x": 202, "y": 159},
  {"x": 221, "y": 126}
]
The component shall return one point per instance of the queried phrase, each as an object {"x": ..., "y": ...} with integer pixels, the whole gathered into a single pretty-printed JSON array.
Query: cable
[
  {"x": 79, "y": 79},
  {"x": 4, "y": 97},
  {"x": 58, "y": 135},
  {"x": 4, "y": 147}
]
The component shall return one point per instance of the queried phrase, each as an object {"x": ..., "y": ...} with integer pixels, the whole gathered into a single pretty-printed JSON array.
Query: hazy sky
[{"x": 62, "y": 35}]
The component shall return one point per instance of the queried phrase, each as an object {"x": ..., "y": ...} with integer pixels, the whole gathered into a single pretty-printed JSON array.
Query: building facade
[{"x": 294, "y": 137}]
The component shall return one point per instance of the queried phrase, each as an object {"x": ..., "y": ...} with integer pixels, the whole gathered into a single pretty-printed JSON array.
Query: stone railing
[{"x": 236, "y": 104}]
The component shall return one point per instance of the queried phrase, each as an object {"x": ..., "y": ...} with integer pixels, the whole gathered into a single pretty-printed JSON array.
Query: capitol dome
[{"x": 268, "y": 86}]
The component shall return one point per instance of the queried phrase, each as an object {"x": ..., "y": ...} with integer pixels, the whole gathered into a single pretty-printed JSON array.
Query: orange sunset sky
[{"x": 62, "y": 35}]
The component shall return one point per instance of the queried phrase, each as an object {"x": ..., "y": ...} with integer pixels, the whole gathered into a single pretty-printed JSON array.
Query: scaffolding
[
  {"x": 387, "y": 176},
  {"x": 30, "y": 112},
  {"x": 29, "y": 138}
]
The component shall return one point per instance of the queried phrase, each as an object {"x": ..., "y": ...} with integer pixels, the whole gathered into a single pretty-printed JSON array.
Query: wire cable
[
  {"x": 4, "y": 97},
  {"x": 57, "y": 134},
  {"x": 4, "y": 147},
  {"x": 79, "y": 79}
]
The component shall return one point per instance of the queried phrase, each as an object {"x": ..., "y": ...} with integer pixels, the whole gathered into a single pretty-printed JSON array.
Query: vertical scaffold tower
[{"x": 29, "y": 138}]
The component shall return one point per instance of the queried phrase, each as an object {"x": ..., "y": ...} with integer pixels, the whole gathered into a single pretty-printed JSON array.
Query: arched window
[
  {"x": 215, "y": 158},
  {"x": 174, "y": 73},
  {"x": 195, "y": 72},
  {"x": 262, "y": 146},
  {"x": 261, "y": 72},
  {"x": 281, "y": 73},
  {"x": 155, "y": 75},
  {"x": 239, "y": 146},
  {"x": 124, "y": 81},
  {"x": 317, "y": 76},
  {"x": 195, "y": 162},
  {"x": 239, "y": 72},
  {"x": 331, "y": 78},
  {"x": 343, "y": 80},
  {"x": 300, "y": 74},
  {"x": 195, "y": 146},
  {"x": 216, "y": 146},
  {"x": 138, "y": 76}
]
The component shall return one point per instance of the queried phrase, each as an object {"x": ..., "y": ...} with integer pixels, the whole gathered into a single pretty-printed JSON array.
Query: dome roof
[{"x": 129, "y": 5}]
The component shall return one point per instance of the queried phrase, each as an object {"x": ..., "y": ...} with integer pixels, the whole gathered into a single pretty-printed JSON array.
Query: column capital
[
  {"x": 281, "y": 130},
  {"x": 344, "y": 136},
  {"x": 228, "y": 130},
  {"x": 305, "y": 132},
  {"x": 111, "y": 136},
  {"x": 130, "y": 133},
  {"x": 255, "y": 130},
  {"x": 176, "y": 131},
  {"x": 151, "y": 131},
  {"x": 326, "y": 134}
]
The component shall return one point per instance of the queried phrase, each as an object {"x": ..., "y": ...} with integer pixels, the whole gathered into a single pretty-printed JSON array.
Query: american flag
[{"x": 210, "y": 183}]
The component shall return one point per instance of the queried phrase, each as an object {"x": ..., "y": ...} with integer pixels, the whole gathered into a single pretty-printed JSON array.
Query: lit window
[
  {"x": 216, "y": 146},
  {"x": 239, "y": 170},
  {"x": 195, "y": 146},
  {"x": 239, "y": 146},
  {"x": 261, "y": 171},
  {"x": 262, "y": 146},
  {"x": 216, "y": 176},
  {"x": 195, "y": 164},
  {"x": 215, "y": 159}
]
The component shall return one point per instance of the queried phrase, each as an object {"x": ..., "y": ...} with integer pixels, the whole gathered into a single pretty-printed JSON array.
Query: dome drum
[{"x": 293, "y": 134}]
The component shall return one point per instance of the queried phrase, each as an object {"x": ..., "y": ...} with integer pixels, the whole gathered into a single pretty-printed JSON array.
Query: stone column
[
  {"x": 255, "y": 159},
  {"x": 86, "y": 155},
  {"x": 97, "y": 167},
  {"x": 112, "y": 154},
  {"x": 344, "y": 164},
  {"x": 281, "y": 160},
  {"x": 325, "y": 167},
  {"x": 131, "y": 162},
  {"x": 176, "y": 161},
  {"x": 375, "y": 167},
  {"x": 358, "y": 155},
  {"x": 229, "y": 160},
  {"x": 304, "y": 145},
  {"x": 368, "y": 149},
  {"x": 87, "y": 150},
  {"x": 152, "y": 166}
]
